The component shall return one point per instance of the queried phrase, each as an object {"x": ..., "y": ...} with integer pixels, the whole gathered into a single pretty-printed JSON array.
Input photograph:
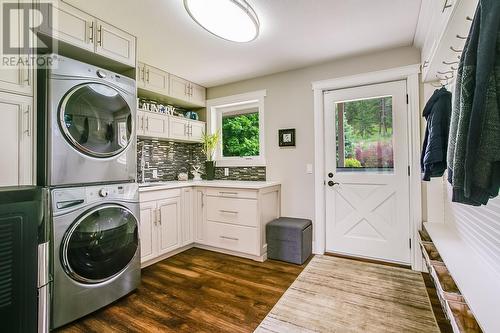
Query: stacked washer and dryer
[{"x": 87, "y": 159}]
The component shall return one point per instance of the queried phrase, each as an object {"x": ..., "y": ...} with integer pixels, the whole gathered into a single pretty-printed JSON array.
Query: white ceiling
[{"x": 294, "y": 34}]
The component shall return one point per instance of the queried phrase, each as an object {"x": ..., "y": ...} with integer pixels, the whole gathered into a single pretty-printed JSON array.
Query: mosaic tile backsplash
[{"x": 171, "y": 158}]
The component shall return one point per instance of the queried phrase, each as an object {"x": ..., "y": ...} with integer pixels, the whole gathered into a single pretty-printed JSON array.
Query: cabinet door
[
  {"x": 16, "y": 150},
  {"x": 169, "y": 224},
  {"x": 140, "y": 75},
  {"x": 115, "y": 44},
  {"x": 71, "y": 25},
  {"x": 139, "y": 124},
  {"x": 179, "y": 88},
  {"x": 199, "y": 209},
  {"x": 148, "y": 231},
  {"x": 155, "y": 80},
  {"x": 155, "y": 125},
  {"x": 198, "y": 95},
  {"x": 187, "y": 226},
  {"x": 16, "y": 78},
  {"x": 178, "y": 128},
  {"x": 197, "y": 130}
]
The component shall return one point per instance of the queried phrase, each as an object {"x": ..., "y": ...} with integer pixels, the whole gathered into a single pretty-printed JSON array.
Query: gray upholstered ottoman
[{"x": 289, "y": 239}]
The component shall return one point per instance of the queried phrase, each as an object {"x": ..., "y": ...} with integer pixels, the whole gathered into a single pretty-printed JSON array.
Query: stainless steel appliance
[
  {"x": 86, "y": 125},
  {"x": 24, "y": 260},
  {"x": 96, "y": 248}
]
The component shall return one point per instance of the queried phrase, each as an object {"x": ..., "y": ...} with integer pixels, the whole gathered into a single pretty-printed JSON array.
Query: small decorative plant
[{"x": 209, "y": 144}]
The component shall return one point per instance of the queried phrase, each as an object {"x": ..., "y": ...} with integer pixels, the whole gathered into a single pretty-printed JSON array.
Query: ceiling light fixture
[{"x": 233, "y": 20}]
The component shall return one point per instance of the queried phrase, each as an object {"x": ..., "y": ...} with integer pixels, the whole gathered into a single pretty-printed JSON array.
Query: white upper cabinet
[
  {"x": 153, "y": 125},
  {"x": 71, "y": 25},
  {"x": 179, "y": 88},
  {"x": 114, "y": 43},
  {"x": 184, "y": 129},
  {"x": 75, "y": 27},
  {"x": 198, "y": 94},
  {"x": 152, "y": 79},
  {"x": 16, "y": 151},
  {"x": 187, "y": 91},
  {"x": 16, "y": 79}
]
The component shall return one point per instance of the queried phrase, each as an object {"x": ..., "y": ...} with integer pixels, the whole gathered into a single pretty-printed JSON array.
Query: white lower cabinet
[
  {"x": 148, "y": 231},
  {"x": 219, "y": 219},
  {"x": 160, "y": 223},
  {"x": 169, "y": 224},
  {"x": 16, "y": 151}
]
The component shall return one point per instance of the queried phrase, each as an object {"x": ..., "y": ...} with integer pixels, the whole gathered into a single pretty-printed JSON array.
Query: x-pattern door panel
[{"x": 367, "y": 195}]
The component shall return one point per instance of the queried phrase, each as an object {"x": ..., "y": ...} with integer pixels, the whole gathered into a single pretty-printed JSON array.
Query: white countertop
[{"x": 253, "y": 185}]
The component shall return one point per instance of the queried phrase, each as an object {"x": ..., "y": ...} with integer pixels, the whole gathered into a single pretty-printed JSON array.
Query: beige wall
[{"x": 289, "y": 104}]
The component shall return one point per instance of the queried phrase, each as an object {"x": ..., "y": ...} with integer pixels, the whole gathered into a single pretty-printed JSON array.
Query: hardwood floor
[
  {"x": 196, "y": 291},
  {"x": 203, "y": 291}
]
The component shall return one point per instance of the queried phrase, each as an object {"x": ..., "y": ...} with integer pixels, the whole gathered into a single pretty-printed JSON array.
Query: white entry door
[{"x": 367, "y": 181}]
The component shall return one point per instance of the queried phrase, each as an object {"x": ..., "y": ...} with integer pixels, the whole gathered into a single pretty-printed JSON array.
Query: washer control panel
[{"x": 67, "y": 199}]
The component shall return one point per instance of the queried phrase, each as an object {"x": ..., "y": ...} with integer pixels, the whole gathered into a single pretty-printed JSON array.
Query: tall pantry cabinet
[{"x": 16, "y": 115}]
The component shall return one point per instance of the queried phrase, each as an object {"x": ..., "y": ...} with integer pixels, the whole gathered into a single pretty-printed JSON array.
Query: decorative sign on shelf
[{"x": 286, "y": 137}]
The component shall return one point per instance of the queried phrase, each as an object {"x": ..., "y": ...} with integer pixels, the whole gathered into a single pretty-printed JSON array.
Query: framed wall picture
[{"x": 286, "y": 137}]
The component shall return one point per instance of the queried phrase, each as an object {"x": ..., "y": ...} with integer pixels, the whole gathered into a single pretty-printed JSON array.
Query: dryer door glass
[
  {"x": 101, "y": 244},
  {"x": 96, "y": 120}
]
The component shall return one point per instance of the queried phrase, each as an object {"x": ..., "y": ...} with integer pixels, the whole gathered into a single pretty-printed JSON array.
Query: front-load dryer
[
  {"x": 86, "y": 125},
  {"x": 96, "y": 250}
]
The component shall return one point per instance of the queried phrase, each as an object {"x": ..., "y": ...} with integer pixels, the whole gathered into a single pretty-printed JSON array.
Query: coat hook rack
[{"x": 446, "y": 5}]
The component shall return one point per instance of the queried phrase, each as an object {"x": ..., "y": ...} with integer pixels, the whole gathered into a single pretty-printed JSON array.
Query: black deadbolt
[{"x": 330, "y": 175}]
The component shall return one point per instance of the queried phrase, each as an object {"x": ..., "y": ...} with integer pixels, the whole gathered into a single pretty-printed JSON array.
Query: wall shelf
[{"x": 477, "y": 281}]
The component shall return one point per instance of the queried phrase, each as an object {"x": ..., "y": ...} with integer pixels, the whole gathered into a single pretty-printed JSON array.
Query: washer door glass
[
  {"x": 96, "y": 120},
  {"x": 101, "y": 244}
]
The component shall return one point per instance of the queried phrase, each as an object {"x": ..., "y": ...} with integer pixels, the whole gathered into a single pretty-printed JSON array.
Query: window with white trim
[{"x": 239, "y": 120}]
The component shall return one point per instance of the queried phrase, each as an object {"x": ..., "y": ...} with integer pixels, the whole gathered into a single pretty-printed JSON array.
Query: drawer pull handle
[
  {"x": 228, "y": 193},
  {"x": 230, "y": 238},
  {"x": 228, "y": 212}
]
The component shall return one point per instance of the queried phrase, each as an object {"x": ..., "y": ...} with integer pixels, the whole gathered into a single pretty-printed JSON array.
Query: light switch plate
[
  {"x": 226, "y": 172},
  {"x": 155, "y": 173},
  {"x": 309, "y": 168}
]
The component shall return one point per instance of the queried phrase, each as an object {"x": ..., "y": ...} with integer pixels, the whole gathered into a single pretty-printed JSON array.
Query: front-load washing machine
[
  {"x": 96, "y": 252},
  {"x": 86, "y": 124}
]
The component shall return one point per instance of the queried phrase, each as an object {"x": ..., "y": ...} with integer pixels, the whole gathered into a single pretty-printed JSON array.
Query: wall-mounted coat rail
[{"x": 442, "y": 61}]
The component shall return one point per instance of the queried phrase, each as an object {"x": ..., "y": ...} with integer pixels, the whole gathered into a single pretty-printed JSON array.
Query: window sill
[{"x": 240, "y": 162}]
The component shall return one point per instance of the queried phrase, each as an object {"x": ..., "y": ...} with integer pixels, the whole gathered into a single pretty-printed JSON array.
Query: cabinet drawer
[
  {"x": 233, "y": 237},
  {"x": 232, "y": 210},
  {"x": 159, "y": 195},
  {"x": 231, "y": 193}
]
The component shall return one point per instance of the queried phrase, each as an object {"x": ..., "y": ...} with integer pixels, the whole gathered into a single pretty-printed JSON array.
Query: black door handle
[{"x": 332, "y": 183}]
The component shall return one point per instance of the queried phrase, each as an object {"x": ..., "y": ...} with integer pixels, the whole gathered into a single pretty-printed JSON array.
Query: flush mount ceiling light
[{"x": 233, "y": 20}]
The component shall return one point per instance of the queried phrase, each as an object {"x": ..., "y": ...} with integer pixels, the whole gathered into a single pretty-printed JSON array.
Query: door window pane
[
  {"x": 240, "y": 134},
  {"x": 364, "y": 135}
]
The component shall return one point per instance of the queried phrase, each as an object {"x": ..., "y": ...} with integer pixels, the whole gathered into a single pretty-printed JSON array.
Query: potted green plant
[{"x": 209, "y": 144}]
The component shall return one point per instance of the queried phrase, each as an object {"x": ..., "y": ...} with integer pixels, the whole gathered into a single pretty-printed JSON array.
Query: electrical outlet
[
  {"x": 309, "y": 169},
  {"x": 226, "y": 172},
  {"x": 155, "y": 174}
]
